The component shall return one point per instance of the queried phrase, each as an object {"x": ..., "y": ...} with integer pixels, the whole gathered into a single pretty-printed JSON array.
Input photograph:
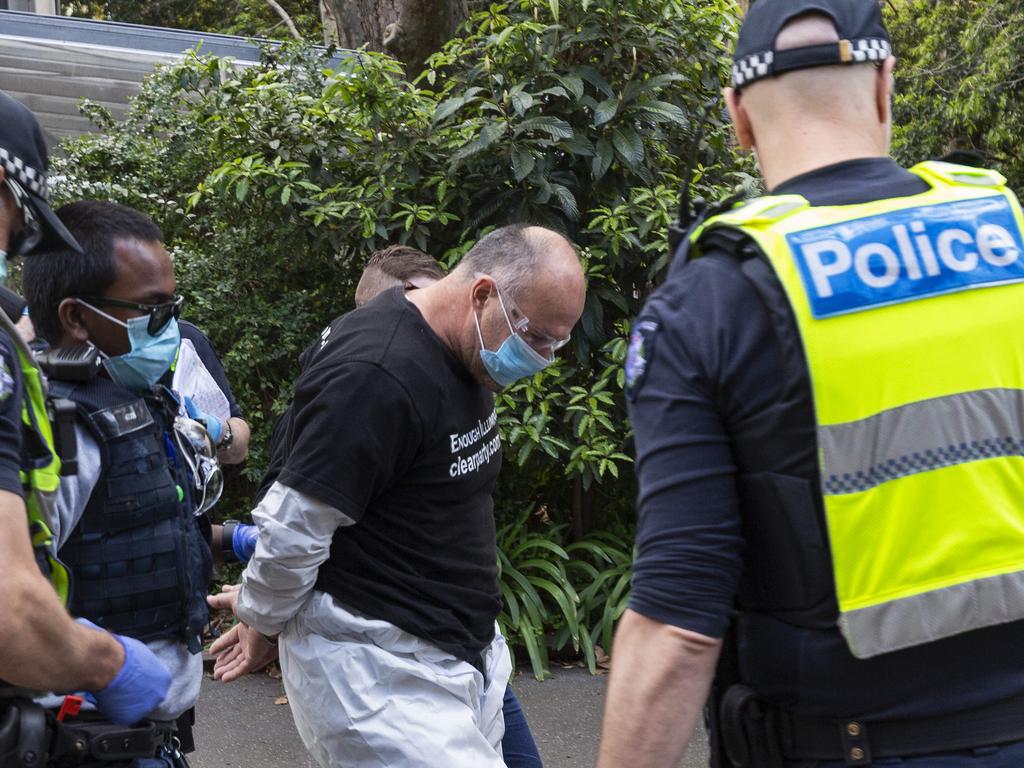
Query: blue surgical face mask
[
  {"x": 514, "y": 360},
  {"x": 150, "y": 356},
  {"x": 3, "y": 267}
]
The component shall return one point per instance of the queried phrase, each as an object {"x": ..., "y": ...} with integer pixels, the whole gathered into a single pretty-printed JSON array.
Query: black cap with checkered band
[
  {"x": 862, "y": 38},
  {"x": 24, "y": 162}
]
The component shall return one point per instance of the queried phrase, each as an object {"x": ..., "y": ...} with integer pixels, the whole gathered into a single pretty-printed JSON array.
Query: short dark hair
[
  {"x": 52, "y": 276},
  {"x": 392, "y": 266},
  {"x": 403, "y": 261}
]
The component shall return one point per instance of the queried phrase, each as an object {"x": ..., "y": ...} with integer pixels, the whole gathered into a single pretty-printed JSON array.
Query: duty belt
[
  {"x": 758, "y": 735},
  {"x": 32, "y": 737}
]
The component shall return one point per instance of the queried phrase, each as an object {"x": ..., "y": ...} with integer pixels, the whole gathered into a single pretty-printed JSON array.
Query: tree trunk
[{"x": 409, "y": 30}]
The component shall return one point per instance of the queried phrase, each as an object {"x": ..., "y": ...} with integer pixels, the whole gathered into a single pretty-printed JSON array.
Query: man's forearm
[
  {"x": 659, "y": 682},
  {"x": 43, "y": 648},
  {"x": 295, "y": 534}
]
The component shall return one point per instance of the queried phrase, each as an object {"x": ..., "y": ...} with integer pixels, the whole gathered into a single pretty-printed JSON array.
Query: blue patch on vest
[{"x": 909, "y": 254}]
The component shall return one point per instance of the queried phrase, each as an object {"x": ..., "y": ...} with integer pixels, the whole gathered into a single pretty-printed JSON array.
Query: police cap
[
  {"x": 25, "y": 163},
  {"x": 862, "y": 38}
]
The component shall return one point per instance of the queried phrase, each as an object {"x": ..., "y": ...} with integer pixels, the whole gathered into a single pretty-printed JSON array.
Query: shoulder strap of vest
[
  {"x": 723, "y": 232},
  {"x": 40, "y": 477},
  {"x": 939, "y": 173}
]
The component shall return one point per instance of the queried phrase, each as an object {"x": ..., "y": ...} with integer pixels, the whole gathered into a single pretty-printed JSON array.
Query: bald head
[
  {"x": 809, "y": 118},
  {"x": 839, "y": 93},
  {"x": 518, "y": 255}
]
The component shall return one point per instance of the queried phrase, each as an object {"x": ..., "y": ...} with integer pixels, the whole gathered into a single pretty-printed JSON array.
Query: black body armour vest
[
  {"x": 787, "y": 572},
  {"x": 140, "y": 564}
]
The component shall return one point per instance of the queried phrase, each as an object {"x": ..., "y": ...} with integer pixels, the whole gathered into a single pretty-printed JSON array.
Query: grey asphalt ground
[{"x": 239, "y": 725}]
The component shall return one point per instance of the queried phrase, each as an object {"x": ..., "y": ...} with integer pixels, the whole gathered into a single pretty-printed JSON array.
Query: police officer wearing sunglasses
[
  {"x": 43, "y": 649},
  {"x": 130, "y": 525}
]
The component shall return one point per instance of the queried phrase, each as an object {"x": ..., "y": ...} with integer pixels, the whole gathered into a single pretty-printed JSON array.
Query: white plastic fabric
[
  {"x": 367, "y": 694},
  {"x": 295, "y": 533}
]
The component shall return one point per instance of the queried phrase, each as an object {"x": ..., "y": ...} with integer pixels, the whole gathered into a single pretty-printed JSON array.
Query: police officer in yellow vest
[
  {"x": 43, "y": 648},
  {"x": 828, "y": 397}
]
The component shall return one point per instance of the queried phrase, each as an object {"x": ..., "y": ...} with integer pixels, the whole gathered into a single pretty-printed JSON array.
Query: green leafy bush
[
  {"x": 960, "y": 68},
  {"x": 558, "y": 595},
  {"x": 273, "y": 183}
]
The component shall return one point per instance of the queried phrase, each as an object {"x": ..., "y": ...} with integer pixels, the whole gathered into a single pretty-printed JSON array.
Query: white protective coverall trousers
[{"x": 366, "y": 694}]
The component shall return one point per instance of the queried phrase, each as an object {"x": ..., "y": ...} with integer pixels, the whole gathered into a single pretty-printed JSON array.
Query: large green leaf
[
  {"x": 602, "y": 159},
  {"x": 605, "y": 111},
  {"x": 628, "y": 145},
  {"x": 555, "y": 127},
  {"x": 523, "y": 162}
]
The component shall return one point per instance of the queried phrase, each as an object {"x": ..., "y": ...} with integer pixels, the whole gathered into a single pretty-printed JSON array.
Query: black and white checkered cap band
[
  {"x": 759, "y": 65},
  {"x": 870, "y": 49},
  {"x": 752, "y": 67},
  {"x": 28, "y": 177}
]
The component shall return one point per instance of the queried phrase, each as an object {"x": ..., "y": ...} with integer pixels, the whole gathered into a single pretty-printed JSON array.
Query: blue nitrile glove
[
  {"x": 212, "y": 423},
  {"x": 243, "y": 541},
  {"x": 139, "y": 686}
]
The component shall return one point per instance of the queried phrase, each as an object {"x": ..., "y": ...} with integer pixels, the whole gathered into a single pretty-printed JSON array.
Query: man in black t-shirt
[
  {"x": 376, "y": 558},
  {"x": 396, "y": 265}
]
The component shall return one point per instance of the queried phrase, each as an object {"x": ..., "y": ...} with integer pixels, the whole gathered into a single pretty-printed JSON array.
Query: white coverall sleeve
[{"x": 295, "y": 532}]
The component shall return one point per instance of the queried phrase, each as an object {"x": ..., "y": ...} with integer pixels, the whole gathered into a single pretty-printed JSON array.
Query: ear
[
  {"x": 481, "y": 291},
  {"x": 884, "y": 86},
  {"x": 72, "y": 322},
  {"x": 740, "y": 119}
]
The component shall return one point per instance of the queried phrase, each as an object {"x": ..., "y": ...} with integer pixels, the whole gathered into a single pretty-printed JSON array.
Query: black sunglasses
[{"x": 159, "y": 314}]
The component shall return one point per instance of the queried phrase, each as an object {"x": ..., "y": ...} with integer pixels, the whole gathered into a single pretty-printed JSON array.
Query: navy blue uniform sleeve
[
  {"x": 699, "y": 335},
  {"x": 11, "y": 394},
  {"x": 209, "y": 357}
]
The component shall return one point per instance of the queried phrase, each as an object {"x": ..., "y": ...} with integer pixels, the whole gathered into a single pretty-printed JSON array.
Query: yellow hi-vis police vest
[
  {"x": 911, "y": 314},
  {"x": 41, "y": 478}
]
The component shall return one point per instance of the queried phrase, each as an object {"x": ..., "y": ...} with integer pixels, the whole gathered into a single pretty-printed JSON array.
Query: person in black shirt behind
[{"x": 376, "y": 558}]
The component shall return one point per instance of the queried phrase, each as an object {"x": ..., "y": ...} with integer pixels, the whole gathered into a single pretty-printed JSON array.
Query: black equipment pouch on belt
[
  {"x": 24, "y": 734},
  {"x": 32, "y": 737},
  {"x": 748, "y": 730},
  {"x": 758, "y": 735}
]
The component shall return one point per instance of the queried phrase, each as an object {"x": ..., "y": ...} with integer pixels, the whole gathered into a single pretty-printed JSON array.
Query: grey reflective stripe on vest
[
  {"x": 923, "y": 618},
  {"x": 919, "y": 437}
]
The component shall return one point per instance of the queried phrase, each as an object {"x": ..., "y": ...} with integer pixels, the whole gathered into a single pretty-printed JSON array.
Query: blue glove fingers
[
  {"x": 213, "y": 426},
  {"x": 243, "y": 541},
  {"x": 139, "y": 686},
  {"x": 192, "y": 410},
  {"x": 212, "y": 423}
]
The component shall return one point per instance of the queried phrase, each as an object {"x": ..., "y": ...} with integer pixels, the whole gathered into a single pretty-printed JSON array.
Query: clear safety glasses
[
  {"x": 520, "y": 323},
  {"x": 197, "y": 450}
]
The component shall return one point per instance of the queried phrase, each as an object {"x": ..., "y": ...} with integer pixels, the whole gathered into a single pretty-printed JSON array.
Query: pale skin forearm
[
  {"x": 659, "y": 682},
  {"x": 43, "y": 648},
  {"x": 239, "y": 442}
]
